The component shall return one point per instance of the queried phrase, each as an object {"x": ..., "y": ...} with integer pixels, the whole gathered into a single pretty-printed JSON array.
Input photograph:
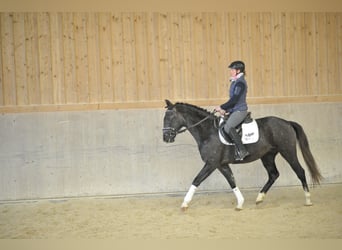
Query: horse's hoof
[
  {"x": 238, "y": 208},
  {"x": 308, "y": 204},
  {"x": 259, "y": 202},
  {"x": 184, "y": 209}
]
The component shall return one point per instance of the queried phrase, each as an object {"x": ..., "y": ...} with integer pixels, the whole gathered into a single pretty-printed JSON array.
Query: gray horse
[{"x": 276, "y": 136}]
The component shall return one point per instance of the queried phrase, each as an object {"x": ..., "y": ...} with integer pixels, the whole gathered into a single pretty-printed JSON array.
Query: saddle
[{"x": 247, "y": 120}]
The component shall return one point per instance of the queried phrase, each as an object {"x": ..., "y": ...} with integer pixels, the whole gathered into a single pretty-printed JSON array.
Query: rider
[{"x": 236, "y": 105}]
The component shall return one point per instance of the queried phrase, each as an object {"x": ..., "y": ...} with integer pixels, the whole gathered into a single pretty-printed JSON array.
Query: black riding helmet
[{"x": 238, "y": 65}]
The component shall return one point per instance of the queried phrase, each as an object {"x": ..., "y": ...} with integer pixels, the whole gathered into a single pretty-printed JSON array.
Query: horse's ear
[{"x": 168, "y": 104}]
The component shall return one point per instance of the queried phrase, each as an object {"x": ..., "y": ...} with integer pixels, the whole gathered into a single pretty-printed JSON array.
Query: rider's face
[{"x": 233, "y": 72}]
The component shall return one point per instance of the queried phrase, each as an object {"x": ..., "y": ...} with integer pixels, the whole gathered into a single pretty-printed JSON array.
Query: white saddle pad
[{"x": 250, "y": 133}]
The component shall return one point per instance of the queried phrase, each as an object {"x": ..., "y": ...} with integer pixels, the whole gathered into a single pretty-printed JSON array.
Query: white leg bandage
[
  {"x": 308, "y": 199},
  {"x": 239, "y": 197},
  {"x": 189, "y": 195}
]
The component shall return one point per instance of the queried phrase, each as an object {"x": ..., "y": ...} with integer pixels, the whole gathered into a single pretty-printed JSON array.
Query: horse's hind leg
[
  {"x": 291, "y": 158},
  {"x": 269, "y": 163}
]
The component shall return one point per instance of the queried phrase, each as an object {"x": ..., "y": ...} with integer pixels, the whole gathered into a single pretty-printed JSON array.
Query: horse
[{"x": 276, "y": 136}]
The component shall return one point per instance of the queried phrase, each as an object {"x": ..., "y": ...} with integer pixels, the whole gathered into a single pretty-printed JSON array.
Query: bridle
[{"x": 173, "y": 132}]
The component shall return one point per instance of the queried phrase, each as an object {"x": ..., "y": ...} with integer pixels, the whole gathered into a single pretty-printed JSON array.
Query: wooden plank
[
  {"x": 199, "y": 59},
  {"x": 164, "y": 56},
  {"x": 2, "y": 102},
  {"x": 211, "y": 48},
  {"x": 94, "y": 83},
  {"x": 289, "y": 54},
  {"x": 310, "y": 46},
  {"x": 82, "y": 64},
  {"x": 221, "y": 58},
  {"x": 339, "y": 54},
  {"x": 333, "y": 80},
  {"x": 105, "y": 43},
  {"x": 20, "y": 59},
  {"x": 256, "y": 87},
  {"x": 69, "y": 58},
  {"x": 186, "y": 28},
  {"x": 57, "y": 58},
  {"x": 153, "y": 59},
  {"x": 300, "y": 42},
  {"x": 277, "y": 55},
  {"x": 44, "y": 47},
  {"x": 176, "y": 72},
  {"x": 322, "y": 49},
  {"x": 8, "y": 70},
  {"x": 266, "y": 66},
  {"x": 32, "y": 58},
  {"x": 118, "y": 58},
  {"x": 140, "y": 34},
  {"x": 129, "y": 45},
  {"x": 244, "y": 42}
]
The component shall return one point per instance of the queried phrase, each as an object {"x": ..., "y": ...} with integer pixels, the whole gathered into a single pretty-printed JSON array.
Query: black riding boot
[{"x": 241, "y": 149}]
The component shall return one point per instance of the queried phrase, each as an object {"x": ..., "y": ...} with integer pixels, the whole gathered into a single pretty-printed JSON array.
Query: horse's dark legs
[
  {"x": 291, "y": 158},
  {"x": 226, "y": 171},
  {"x": 228, "y": 174},
  {"x": 201, "y": 176},
  {"x": 269, "y": 163}
]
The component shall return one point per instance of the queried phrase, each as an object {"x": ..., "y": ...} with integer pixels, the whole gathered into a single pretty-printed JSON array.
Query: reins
[{"x": 196, "y": 124}]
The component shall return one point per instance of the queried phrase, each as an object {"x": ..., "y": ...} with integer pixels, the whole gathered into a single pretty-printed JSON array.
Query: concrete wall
[{"x": 112, "y": 152}]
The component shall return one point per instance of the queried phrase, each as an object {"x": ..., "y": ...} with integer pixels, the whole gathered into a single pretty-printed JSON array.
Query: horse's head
[{"x": 173, "y": 122}]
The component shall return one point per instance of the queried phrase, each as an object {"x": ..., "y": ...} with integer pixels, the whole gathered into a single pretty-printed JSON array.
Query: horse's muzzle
[{"x": 169, "y": 135}]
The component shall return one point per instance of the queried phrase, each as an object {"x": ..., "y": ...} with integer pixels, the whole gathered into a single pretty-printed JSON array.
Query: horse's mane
[{"x": 182, "y": 106}]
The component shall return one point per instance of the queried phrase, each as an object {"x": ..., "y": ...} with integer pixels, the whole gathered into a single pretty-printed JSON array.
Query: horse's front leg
[
  {"x": 201, "y": 176},
  {"x": 226, "y": 171}
]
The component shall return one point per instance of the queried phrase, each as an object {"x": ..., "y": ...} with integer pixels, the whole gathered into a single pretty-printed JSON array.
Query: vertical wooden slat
[
  {"x": 187, "y": 54},
  {"x": 255, "y": 76},
  {"x": 20, "y": 59},
  {"x": 175, "y": 57},
  {"x": 44, "y": 46},
  {"x": 199, "y": 56},
  {"x": 8, "y": 64},
  {"x": 69, "y": 58},
  {"x": 211, "y": 48},
  {"x": 220, "y": 58},
  {"x": 32, "y": 58},
  {"x": 332, "y": 44},
  {"x": 118, "y": 58},
  {"x": 300, "y": 56},
  {"x": 153, "y": 58},
  {"x": 2, "y": 103},
  {"x": 322, "y": 51},
  {"x": 277, "y": 66},
  {"x": 105, "y": 42},
  {"x": 140, "y": 35},
  {"x": 289, "y": 53},
  {"x": 339, "y": 53},
  {"x": 57, "y": 58},
  {"x": 93, "y": 58},
  {"x": 129, "y": 58},
  {"x": 266, "y": 57},
  {"x": 81, "y": 51},
  {"x": 311, "y": 70},
  {"x": 164, "y": 56}
]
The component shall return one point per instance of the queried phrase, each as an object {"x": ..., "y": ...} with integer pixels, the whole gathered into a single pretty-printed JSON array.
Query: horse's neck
[{"x": 200, "y": 132}]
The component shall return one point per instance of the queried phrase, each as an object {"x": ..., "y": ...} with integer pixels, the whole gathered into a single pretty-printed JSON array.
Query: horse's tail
[{"x": 307, "y": 155}]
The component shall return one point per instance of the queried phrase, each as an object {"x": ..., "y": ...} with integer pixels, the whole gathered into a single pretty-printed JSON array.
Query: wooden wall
[{"x": 82, "y": 61}]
